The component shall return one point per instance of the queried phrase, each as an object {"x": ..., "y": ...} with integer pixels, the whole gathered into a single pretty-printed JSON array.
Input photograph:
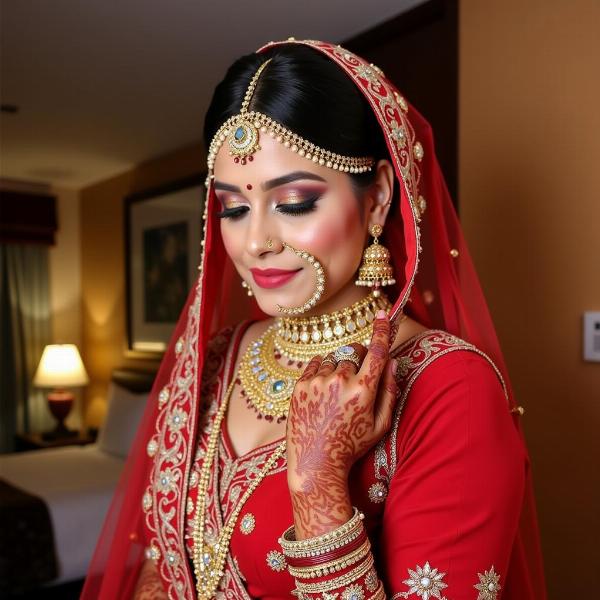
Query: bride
[{"x": 354, "y": 435}]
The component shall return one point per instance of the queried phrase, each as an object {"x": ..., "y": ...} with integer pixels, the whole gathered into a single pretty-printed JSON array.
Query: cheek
[
  {"x": 332, "y": 233},
  {"x": 335, "y": 234},
  {"x": 232, "y": 242}
]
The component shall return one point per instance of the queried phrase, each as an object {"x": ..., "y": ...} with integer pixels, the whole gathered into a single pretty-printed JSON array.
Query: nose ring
[{"x": 269, "y": 243}]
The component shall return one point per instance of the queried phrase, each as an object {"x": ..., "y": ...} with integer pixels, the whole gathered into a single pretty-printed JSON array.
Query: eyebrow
[{"x": 272, "y": 183}]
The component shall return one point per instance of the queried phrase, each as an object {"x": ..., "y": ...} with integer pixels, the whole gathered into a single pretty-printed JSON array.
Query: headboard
[{"x": 134, "y": 380}]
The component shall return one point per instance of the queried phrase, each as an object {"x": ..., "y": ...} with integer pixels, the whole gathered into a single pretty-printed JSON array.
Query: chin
[{"x": 268, "y": 302}]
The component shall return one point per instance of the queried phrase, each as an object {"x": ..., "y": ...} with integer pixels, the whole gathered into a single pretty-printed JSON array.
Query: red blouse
[{"x": 441, "y": 493}]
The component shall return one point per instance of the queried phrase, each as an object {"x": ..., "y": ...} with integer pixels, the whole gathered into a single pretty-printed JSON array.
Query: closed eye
[
  {"x": 299, "y": 208},
  {"x": 233, "y": 213}
]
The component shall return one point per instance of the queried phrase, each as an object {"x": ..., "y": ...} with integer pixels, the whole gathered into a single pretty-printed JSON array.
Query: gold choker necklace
[
  {"x": 267, "y": 384},
  {"x": 302, "y": 338}
]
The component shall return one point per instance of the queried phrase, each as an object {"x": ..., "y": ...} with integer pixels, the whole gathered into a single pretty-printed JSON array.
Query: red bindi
[{"x": 249, "y": 186}]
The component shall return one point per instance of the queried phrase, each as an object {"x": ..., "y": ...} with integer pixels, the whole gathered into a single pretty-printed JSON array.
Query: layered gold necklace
[{"x": 268, "y": 384}]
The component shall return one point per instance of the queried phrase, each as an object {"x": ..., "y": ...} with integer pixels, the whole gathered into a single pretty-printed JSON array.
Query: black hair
[{"x": 307, "y": 93}]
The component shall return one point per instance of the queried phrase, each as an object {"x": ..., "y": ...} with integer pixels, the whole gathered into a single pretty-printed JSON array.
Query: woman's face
[{"x": 283, "y": 197}]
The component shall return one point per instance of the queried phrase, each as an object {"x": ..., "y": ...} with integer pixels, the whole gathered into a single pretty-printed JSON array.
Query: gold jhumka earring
[{"x": 375, "y": 270}]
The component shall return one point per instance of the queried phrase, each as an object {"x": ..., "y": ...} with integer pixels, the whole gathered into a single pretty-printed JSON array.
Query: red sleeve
[{"x": 455, "y": 498}]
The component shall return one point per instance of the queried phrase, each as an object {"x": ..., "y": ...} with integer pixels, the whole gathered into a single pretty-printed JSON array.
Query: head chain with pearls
[{"x": 242, "y": 132}]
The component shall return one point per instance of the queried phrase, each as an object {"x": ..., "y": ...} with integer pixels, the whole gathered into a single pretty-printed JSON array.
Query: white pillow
[{"x": 123, "y": 417}]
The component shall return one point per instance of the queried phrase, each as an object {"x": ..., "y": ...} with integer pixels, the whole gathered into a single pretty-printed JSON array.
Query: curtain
[{"x": 25, "y": 329}]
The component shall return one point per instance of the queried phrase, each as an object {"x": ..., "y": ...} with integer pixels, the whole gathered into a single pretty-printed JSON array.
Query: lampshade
[{"x": 60, "y": 366}]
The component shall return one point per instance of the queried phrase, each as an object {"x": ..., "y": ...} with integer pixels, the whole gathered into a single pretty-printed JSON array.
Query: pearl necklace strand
[{"x": 209, "y": 560}]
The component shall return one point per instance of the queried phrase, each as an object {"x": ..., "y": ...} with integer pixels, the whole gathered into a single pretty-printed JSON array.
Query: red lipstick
[{"x": 272, "y": 278}]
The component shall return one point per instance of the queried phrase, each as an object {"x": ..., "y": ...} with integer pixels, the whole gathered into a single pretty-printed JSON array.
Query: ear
[{"x": 381, "y": 193}]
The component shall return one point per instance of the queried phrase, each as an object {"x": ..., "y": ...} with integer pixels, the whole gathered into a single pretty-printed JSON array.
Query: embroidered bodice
[{"x": 407, "y": 496}]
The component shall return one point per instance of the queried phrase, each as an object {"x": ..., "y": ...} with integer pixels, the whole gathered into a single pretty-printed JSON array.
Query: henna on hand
[
  {"x": 149, "y": 585},
  {"x": 336, "y": 416}
]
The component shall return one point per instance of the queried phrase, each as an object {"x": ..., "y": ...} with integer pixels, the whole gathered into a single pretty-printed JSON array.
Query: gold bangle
[
  {"x": 322, "y": 543},
  {"x": 333, "y": 566},
  {"x": 336, "y": 582}
]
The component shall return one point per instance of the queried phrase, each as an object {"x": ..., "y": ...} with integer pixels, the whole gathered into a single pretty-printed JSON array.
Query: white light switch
[{"x": 591, "y": 336}]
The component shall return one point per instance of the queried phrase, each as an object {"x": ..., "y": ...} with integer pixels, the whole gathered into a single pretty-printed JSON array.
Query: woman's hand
[{"x": 337, "y": 413}]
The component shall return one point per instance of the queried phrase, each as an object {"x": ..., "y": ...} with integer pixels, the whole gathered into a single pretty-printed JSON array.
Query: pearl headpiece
[{"x": 242, "y": 133}]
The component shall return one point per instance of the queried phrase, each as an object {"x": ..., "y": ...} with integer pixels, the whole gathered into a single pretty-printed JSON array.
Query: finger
[
  {"x": 347, "y": 367},
  {"x": 311, "y": 368},
  {"x": 327, "y": 367},
  {"x": 386, "y": 398},
  {"x": 379, "y": 350}
]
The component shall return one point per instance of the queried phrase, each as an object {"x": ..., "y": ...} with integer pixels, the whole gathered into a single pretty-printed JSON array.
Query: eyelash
[{"x": 300, "y": 208}]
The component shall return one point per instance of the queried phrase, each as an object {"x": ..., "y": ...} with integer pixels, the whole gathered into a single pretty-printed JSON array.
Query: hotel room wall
[
  {"x": 103, "y": 269},
  {"x": 65, "y": 283},
  {"x": 529, "y": 183}
]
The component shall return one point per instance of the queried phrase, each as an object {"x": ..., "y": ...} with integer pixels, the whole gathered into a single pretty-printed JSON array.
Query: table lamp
[{"x": 60, "y": 367}]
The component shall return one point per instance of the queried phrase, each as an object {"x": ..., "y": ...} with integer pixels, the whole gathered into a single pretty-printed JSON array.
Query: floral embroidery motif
[
  {"x": 152, "y": 447},
  {"x": 418, "y": 151},
  {"x": 353, "y": 592},
  {"x": 378, "y": 492},
  {"x": 147, "y": 501},
  {"x": 166, "y": 481},
  {"x": 425, "y": 582},
  {"x": 399, "y": 135},
  {"x": 276, "y": 561},
  {"x": 153, "y": 553},
  {"x": 247, "y": 523},
  {"x": 330, "y": 596},
  {"x": 366, "y": 73},
  {"x": 163, "y": 397},
  {"x": 177, "y": 420},
  {"x": 172, "y": 558},
  {"x": 488, "y": 586},
  {"x": 401, "y": 101},
  {"x": 179, "y": 346},
  {"x": 371, "y": 581}
]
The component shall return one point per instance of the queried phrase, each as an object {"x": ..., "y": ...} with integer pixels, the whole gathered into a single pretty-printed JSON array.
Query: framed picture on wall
[{"x": 162, "y": 253}]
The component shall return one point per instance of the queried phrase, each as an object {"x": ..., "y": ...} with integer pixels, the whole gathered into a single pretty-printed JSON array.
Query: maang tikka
[
  {"x": 375, "y": 270},
  {"x": 242, "y": 133}
]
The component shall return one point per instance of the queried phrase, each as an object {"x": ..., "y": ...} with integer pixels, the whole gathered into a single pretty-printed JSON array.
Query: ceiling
[{"x": 102, "y": 86}]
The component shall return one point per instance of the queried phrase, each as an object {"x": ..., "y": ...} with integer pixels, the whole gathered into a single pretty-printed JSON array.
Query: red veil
[{"x": 436, "y": 281}]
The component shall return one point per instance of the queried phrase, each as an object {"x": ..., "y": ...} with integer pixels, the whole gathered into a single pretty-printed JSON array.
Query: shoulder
[
  {"x": 433, "y": 356},
  {"x": 451, "y": 398},
  {"x": 449, "y": 386}
]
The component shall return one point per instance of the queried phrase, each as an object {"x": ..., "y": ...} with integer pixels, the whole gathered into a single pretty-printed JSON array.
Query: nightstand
[{"x": 34, "y": 441}]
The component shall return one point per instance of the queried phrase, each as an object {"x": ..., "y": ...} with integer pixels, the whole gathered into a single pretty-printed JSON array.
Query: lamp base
[{"x": 60, "y": 403}]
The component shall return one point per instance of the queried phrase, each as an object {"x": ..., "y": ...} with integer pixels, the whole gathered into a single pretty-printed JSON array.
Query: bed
[{"x": 73, "y": 486}]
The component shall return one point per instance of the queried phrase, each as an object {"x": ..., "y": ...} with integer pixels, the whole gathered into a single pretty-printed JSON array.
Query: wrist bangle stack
[{"x": 337, "y": 564}]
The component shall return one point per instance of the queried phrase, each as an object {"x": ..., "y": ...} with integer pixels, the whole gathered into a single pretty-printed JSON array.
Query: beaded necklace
[
  {"x": 209, "y": 559},
  {"x": 267, "y": 385}
]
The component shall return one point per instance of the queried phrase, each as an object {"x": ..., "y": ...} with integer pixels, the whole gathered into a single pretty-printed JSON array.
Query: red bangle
[{"x": 310, "y": 561}]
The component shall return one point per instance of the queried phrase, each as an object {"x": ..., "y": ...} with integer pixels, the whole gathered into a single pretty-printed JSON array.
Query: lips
[{"x": 272, "y": 278}]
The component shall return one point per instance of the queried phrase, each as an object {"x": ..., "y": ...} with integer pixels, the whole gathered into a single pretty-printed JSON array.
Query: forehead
[{"x": 271, "y": 161}]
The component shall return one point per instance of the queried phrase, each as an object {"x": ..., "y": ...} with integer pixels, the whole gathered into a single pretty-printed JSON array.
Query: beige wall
[
  {"x": 530, "y": 203},
  {"x": 103, "y": 269},
  {"x": 65, "y": 282}
]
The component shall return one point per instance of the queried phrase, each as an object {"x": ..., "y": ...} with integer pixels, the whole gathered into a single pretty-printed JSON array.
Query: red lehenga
[{"x": 447, "y": 493}]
